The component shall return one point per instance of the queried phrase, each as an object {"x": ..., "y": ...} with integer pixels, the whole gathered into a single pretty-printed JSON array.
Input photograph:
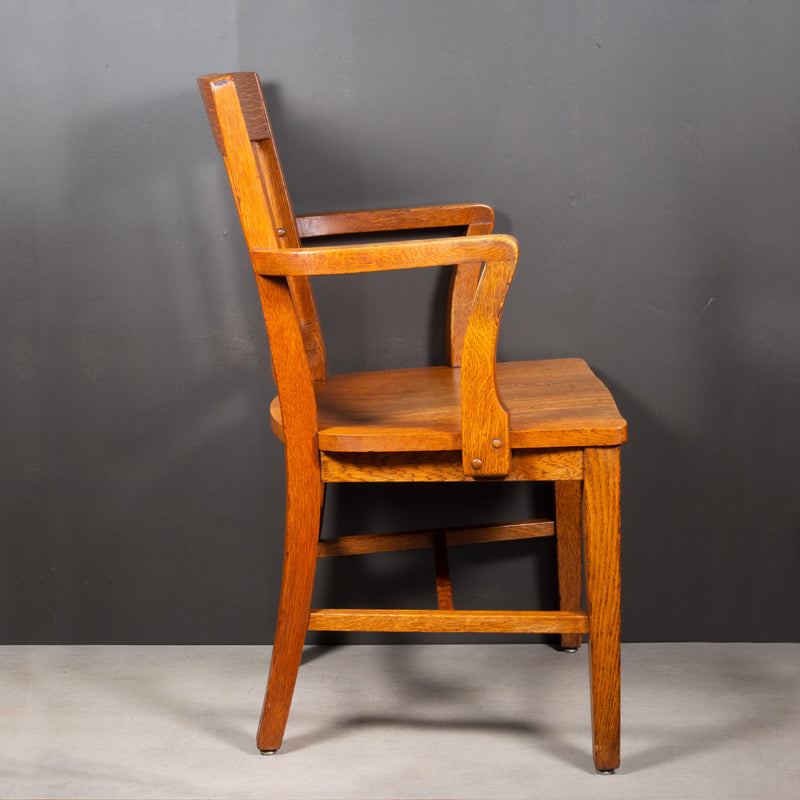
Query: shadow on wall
[
  {"x": 371, "y": 320},
  {"x": 144, "y": 414}
]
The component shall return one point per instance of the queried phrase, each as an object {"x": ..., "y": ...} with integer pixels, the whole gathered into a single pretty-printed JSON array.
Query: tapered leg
[
  {"x": 569, "y": 495},
  {"x": 304, "y": 498},
  {"x": 601, "y": 529}
]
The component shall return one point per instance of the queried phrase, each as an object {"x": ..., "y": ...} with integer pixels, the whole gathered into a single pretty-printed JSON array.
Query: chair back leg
[{"x": 569, "y": 497}]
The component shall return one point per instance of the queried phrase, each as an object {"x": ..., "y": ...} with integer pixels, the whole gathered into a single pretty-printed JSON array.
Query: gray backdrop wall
[{"x": 647, "y": 157}]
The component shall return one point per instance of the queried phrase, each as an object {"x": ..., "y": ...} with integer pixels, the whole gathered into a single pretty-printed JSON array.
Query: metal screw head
[
  {"x": 496, "y": 443},
  {"x": 477, "y": 463},
  {"x": 281, "y": 231}
]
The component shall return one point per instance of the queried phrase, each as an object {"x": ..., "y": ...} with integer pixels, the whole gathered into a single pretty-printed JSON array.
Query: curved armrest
[
  {"x": 293, "y": 262},
  {"x": 486, "y": 450},
  {"x": 395, "y": 219}
]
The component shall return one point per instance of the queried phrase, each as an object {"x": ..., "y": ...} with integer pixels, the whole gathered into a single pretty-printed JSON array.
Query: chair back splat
[{"x": 472, "y": 419}]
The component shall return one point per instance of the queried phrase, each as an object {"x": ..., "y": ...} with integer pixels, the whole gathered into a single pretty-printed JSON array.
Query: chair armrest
[
  {"x": 486, "y": 450},
  {"x": 292, "y": 262},
  {"x": 395, "y": 219}
]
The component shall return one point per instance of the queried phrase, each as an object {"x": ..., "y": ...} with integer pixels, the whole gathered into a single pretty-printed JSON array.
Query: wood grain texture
[
  {"x": 414, "y": 621},
  {"x": 568, "y": 524},
  {"x": 463, "y": 286},
  {"x": 601, "y": 530},
  {"x": 243, "y": 170},
  {"x": 556, "y": 403},
  {"x": 304, "y": 496},
  {"x": 445, "y": 466},
  {"x": 464, "y": 280},
  {"x": 380, "y": 257},
  {"x": 485, "y": 440},
  {"x": 303, "y": 512},
  {"x": 363, "y": 544}
]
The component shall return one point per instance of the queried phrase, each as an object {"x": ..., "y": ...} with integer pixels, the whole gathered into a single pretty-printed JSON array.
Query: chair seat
[{"x": 552, "y": 403}]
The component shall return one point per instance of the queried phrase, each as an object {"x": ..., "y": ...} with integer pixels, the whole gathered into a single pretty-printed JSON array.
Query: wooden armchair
[{"x": 471, "y": 420}]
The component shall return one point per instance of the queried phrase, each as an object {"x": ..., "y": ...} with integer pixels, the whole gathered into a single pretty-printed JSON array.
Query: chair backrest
[{"x": 238, "y": 116}]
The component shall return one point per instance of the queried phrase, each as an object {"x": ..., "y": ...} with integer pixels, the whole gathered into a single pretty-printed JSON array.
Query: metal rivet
[
  {"x": 281, "y": 231},
  {"x": 496, "y": 443},
  {"x": 477, "y": 463}
]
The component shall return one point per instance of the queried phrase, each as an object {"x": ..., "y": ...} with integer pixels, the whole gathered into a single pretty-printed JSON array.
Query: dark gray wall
[{"x": 647, "y": 157}]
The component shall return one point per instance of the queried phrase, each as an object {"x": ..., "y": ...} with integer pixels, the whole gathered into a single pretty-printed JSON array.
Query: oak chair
[{"x": 471, "y": 420}]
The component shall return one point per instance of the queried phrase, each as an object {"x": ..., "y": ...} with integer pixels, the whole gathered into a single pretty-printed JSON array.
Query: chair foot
[
  {"x": 303, "y": 516},
  {"x": 267, "y": 752},
  {"x": 605, "y": 771},
  {"x": 569, "y": 649}
]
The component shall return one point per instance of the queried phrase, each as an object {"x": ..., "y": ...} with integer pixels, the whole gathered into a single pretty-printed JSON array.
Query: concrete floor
[{"x": 504, "y": 721}]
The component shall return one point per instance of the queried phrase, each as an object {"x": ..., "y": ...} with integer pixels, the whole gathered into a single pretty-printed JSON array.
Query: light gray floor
[{"x": 504, "y": 721}]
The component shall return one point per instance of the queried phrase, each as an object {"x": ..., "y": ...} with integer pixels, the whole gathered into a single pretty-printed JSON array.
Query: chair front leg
[
  {"x": 304, "y": 498},
  {"x": 601, "y": 530}
]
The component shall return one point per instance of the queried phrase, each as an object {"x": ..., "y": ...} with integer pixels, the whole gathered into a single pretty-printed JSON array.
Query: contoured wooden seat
[{"x": 470, "y": 420}]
